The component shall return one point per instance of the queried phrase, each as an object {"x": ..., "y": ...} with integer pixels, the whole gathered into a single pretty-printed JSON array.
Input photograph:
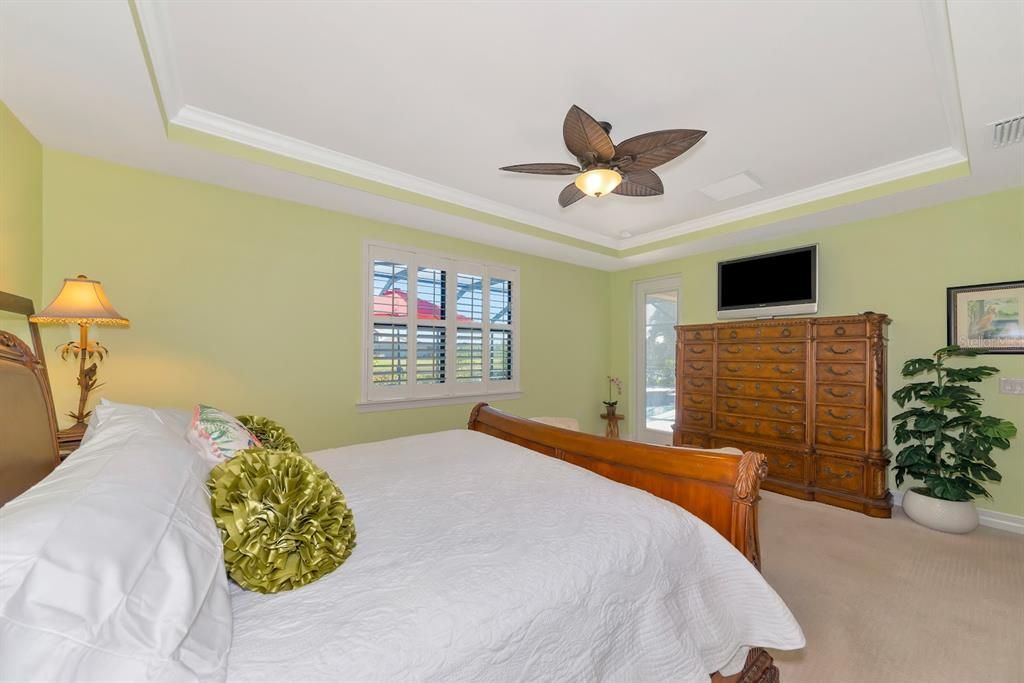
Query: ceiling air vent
[{"x": 1008, "y": 132}]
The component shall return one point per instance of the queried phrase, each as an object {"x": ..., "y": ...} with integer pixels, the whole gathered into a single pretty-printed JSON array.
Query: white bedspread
[{"x": 479, "y": 560}]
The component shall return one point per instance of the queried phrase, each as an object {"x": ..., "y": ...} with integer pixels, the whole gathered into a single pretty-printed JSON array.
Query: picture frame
[{"x": 987, "y": 318}]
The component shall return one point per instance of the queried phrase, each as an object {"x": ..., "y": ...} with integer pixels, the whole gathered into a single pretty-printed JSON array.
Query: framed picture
[{"x": 986, "y": 318}]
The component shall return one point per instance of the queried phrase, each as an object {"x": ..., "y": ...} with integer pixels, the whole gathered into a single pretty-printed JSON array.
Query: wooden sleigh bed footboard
[{"x": 721, "y": 489}]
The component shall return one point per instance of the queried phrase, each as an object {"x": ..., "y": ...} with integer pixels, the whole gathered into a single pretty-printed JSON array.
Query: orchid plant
[{"x": 614, "y": 385}]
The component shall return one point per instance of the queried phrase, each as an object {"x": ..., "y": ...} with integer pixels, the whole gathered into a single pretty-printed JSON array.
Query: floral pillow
[{"x": 217, "y": 435}]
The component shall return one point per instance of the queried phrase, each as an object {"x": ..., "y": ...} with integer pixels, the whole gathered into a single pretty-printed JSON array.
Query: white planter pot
[{"x": 955, "y": 517}]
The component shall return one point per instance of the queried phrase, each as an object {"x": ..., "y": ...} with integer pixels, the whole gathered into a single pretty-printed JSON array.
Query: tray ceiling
[{"x": 420, "y": 103}]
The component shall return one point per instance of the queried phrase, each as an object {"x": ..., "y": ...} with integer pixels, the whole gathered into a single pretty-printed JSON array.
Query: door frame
[{"x": 641, "y": 288}]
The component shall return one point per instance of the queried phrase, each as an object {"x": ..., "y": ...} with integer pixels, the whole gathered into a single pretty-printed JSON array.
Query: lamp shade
[
  {"x": 598, "y": 182},
  {"x": 81, "y": 301}
]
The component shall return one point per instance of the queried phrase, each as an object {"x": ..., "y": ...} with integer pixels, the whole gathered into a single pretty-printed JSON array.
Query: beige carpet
[{"x": 888, "y": 600}]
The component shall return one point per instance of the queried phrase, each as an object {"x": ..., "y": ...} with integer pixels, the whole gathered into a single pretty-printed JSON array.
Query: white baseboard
[{"x": 990, "y": 518}]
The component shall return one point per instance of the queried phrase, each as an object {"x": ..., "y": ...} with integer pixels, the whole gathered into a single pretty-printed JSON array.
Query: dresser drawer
[
  {"x": 841, "y": 350},
  {"x": 839, "y": 475},
  {"x": 698, "y": 333},
  {"x": 792, "y": 351},
  {"x": 843, "y": 416},
  {"x": 785, "y": 464},
  {"x": 841, "y": 437},
  {"x": 787, "y": 431},
  {"x": 777, "y": 410},
  {"x": 687, "y": 439},
  {"x": 697, "y": 418},
  {"x": 840, "y": 394},
  {"x": 698, "y": 352},
  {"x": 697, "y": 401},
  {"x": 790, "y": 391},
  {"x": 698, "y": 368},
  {"x": 762, "y": 331},
  {"x": 854, "y": 329},
  {"x": 841, "y": 372},
  {"x": 762, "y": 369},
  {"x": 701, "y": 385}
]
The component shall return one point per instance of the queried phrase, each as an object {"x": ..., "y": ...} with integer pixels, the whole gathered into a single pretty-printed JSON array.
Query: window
[
  {"x": 449, "y": 331},
  {"x": 657, "y": 313}
]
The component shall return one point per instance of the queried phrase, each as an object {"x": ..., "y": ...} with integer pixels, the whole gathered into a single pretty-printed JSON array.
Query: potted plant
[{"x": 947, "y": 441}]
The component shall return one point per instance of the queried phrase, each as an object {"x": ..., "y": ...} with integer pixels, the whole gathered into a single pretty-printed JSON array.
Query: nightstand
[{"x": 68, "y": 440}]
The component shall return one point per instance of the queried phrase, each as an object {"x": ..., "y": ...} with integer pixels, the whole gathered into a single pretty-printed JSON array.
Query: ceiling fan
[{"x": 605, "y": 167}]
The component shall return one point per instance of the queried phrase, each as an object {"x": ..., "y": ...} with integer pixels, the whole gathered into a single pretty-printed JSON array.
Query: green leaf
[{"x": 916, "y": 366}]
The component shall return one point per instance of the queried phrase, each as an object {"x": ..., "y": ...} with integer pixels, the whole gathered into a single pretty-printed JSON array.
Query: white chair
[{"x": 563, "y": 422}]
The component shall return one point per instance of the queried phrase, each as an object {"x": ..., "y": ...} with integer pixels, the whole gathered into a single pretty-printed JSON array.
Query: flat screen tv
[{"x": 768, "y": 285}]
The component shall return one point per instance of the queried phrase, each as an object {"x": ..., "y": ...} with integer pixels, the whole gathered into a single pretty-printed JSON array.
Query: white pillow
[
  {"x": 175, "y": 418},
  {"x": 111, "y": 568}
]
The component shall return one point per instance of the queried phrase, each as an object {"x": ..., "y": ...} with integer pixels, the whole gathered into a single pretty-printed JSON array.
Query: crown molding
[
  {"x": 940, "y": 47},
  {"x": 153, "y": 23},
  {"x": 932, "y": 161},
  {"x": 227, "y": 128}
]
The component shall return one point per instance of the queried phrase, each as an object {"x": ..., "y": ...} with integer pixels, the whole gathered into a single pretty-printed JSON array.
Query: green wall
[
  {"x": 899, "y": 265},
  {"x": 21, "y": 209},
  {"x": 254, "y": 305}
]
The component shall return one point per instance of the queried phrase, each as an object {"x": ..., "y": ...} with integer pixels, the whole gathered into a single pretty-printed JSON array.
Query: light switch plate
[{"x": 1011, "y": 385}]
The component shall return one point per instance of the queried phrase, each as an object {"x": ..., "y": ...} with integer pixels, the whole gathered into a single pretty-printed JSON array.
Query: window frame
[
  {"x": 641, "y": 289},
  {"x": 452, "y": 391}
]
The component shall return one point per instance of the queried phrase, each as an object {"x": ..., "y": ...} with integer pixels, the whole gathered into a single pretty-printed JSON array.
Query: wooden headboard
[
  {"x": 720, "y": 488},
  {"x": 28, "y": 424}
]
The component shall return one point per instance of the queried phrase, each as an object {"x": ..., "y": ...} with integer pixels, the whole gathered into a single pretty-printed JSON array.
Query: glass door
[{"x": 657, "y": 314}]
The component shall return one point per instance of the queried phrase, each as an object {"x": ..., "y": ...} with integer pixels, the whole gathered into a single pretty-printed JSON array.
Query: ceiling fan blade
[
  {"x": 644, "y": 152},
  {"x": 640, "y": 184},
  {"x": 543, "y": 169},
  {"x": 585, "y": 137},
  {"x": 570, "y": 194}
]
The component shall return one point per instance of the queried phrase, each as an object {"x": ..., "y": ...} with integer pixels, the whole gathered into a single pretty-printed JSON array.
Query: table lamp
[{"x": 83, "y": 302}]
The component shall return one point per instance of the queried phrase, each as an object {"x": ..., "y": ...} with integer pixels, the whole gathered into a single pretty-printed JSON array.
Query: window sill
[{"x": 406, "y": 403}]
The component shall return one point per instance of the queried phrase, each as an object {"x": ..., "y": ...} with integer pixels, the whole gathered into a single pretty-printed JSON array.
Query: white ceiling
[{"x": 813, "y": 99}]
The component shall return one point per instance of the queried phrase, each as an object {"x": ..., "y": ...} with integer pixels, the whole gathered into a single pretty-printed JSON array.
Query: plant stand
[{"x": 611, "y": 430}]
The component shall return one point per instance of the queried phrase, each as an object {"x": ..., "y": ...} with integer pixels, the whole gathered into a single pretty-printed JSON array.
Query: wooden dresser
[{"x": 809, "y": 393}]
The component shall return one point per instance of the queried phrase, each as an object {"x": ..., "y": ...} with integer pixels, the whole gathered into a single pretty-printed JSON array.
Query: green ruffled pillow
[
  {"x": 283, "y": 521},
  {"x": 271, "y": 434}
]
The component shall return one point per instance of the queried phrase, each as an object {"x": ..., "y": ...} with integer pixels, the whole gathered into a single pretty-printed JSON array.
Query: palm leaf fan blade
[
  {"x": 585, "y": 137},
  {"x": 543, "y": 169},
  {"x": 644, "y": 152},
  {"x": 569, "y": 195},
  {"x": 640, "y": 184}
]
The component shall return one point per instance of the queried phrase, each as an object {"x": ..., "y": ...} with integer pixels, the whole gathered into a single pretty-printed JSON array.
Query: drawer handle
[
  {"x": 786, "y": 332},
  {"x": 832, "y": 435},
  {"x": 840, "y": 331},
  {"x": 734, "y": 350},
  {"x": 839, "y": 417},
  {"x": 785, "y": 352},
  {"x": 792, "y": 411},
  {"x": 779, "y": 430},
  {"x": 733, "y": 388},
  {"x": 835, "y": 372},
  {"x": 729, "y": 423},
  {"x": 696, "y": 382},
  {"x": 696, "y": 417},
  {"x": 731, "y": 405},
  {"x": 788, "y": 465},
  {"x": 732, "y": 334},
  {"x": 779, "y": 370},
  {"x": 836, "y": 475},
  {"x": 697, "y": 335},
  {"x": 832, "y": 349},
  {"x": 696, "y": 368},
  {"x": 698, "y": 350},
  {"x": 697, "y": 399},
  {"x": 832, "y": 392},
  {"x": 730, "y": 368},
  {"x": 786, "y": 393}
]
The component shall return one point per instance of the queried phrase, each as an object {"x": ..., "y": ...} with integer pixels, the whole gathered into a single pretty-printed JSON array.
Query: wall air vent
[{"x": 1008, "y": 131}]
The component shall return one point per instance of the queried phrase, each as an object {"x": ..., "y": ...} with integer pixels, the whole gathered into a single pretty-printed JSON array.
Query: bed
[{"x": 506, "y": 551}]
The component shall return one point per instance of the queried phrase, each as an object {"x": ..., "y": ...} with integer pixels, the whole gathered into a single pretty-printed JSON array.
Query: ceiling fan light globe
[{"x": 598, "y": 182}]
